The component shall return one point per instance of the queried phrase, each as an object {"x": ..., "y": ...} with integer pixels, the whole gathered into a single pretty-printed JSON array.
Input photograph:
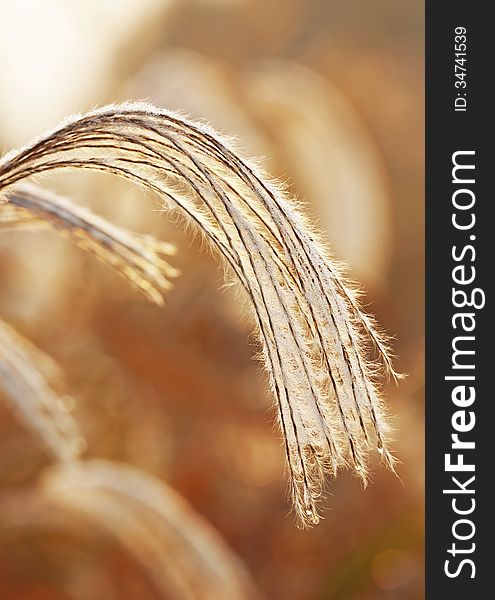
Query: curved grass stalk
[
  {"x": 32, "y": 397},
  {"x": 139, "y": 258},
  {"x": 315, "y": 336},
  {"x": 183, "y": 554}
]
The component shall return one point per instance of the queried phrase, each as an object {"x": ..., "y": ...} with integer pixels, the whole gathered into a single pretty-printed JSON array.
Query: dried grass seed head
[{"x": 315, "y": 336}]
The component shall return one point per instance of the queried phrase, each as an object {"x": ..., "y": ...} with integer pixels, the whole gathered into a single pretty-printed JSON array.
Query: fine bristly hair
[{"x": 315, "y": 336}]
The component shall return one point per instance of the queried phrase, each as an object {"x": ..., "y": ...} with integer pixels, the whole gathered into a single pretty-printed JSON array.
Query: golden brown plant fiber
[
  {"x": 29, "y": 392},
  {"x": 316, "y": 339},
  {"x": 139, "y": 258},
  {"x": 183, "y": 554}
]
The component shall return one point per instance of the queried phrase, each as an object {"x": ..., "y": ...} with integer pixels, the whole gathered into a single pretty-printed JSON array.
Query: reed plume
[
  {"x": 184, "y": 555},
  {"x": 139, "y": 258},
  {"x": 316, "y": 339},
  {"x": 26, "y": 378}
]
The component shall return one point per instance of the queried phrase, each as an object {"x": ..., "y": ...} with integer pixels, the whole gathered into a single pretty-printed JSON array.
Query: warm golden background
[{"x": 331, "y": 95}]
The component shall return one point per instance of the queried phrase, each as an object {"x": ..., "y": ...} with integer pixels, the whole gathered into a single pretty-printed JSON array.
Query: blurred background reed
[{"x": 330, "y": 94}]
